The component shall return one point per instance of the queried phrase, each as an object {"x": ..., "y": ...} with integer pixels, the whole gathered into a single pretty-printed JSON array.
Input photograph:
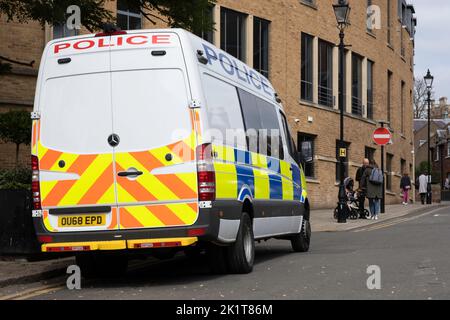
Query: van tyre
[
  {"x": 241, "y": 254},
  {"x": 300, "y": 242},
  {"x": 102, "y": 265}
]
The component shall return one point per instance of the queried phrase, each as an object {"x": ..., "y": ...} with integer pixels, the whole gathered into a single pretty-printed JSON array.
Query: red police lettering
[
  {"x": 161, "y": 39},
  {"x": 130, "y": 40},
  {"x": 61, "y": 46},
  {"x": 90, "y": 44},
  {"x": 101, "y": 44}
]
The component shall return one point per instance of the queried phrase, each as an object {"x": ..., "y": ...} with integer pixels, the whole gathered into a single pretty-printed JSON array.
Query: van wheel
[
  {"x": 241, "y": 254},
  {"x": 300, "y": 242},
  {"x": 216, "y": 258},
  {"x": 102, "y": 265}
]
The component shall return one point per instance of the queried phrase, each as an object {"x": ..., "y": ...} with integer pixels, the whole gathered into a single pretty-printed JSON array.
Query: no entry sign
[{"x": 382, "y": 136}]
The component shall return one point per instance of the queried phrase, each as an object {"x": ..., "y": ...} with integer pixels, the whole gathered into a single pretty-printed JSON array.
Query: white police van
[{"x": 154, "y": 141}]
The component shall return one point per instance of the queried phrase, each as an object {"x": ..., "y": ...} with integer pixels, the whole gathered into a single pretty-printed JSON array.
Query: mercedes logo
[{"x": 113, "y": 140}]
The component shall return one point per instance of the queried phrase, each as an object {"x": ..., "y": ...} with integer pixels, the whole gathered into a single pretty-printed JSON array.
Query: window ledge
[
  {"x": 390, "y": 193},
  {"x": 390, "y": 46},
  {"x": 370, "y": 33},
  {"x": 336, "y": 111},
  {"x": 308, "y": 4},
  {"x": 312, "y": 181}
]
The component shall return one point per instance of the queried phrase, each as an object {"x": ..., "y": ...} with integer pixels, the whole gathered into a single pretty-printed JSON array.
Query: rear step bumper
[
  {"x": 118, "y": 244},
  {"x": 208, "y": 221}
]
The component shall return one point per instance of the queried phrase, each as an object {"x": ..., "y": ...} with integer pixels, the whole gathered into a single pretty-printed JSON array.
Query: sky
[{"x": 433, "y": 43}]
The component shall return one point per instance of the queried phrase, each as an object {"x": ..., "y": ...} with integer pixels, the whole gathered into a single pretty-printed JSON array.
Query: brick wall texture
[{"x": 289, "y": 18}]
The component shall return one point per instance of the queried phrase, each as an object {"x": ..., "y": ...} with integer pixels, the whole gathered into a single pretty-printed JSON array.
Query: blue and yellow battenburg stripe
[{"x": 241, "y": 173}]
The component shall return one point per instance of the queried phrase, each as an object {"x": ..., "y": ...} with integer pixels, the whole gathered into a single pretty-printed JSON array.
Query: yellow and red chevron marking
[
  {"x": 95, "y": 181},
  {"x": 95, "y": 184},
  {"x": 46, "y": 221},
  {"x": 154, "y": 216}
]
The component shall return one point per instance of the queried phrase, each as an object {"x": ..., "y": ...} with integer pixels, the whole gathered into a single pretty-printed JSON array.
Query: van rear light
[
  {"x": 45, "y": 239},
  {"x": 35, "y": 188},
  {"x": 196, "y": 232},
  {"x": 206, "y": 176}
]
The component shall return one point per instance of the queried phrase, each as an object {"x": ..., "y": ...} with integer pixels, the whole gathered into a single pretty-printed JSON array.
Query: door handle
[{"x": 130, "y": 173}]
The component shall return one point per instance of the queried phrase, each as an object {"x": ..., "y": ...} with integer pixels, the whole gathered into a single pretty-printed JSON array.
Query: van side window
[
  {"x": 252, "y": 120},
  {"x": 224, "y": 112},
  {"x": 289, "y": 141},
  {"x": 270, "y": 138},
  {"x": 262, "y": 126}
]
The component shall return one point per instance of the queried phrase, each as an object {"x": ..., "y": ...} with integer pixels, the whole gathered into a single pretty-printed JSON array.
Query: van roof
[{"x": 211, "y": 57}]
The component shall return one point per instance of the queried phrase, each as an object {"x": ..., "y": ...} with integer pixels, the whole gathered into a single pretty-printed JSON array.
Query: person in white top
[
  {"x": 423, "y": 183},
  {"x": 447, "y": 184}
]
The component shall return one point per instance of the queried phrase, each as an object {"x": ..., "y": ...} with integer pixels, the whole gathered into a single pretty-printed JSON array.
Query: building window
[
  {"x": 325, "y": 74},
  {"x": 389, "y": 18},
  {"x": 208, "y": 15},
  {"x": 232, "y": 32},
  {"x": 402, "y": 108},
  {"x": 369, "y": 28},
  {"x": 357, "y": 108},
  {"x": 338, "y": 165},
  {"x": 369, "y": 89},
  {"x": 402, "y": 166},
  {"x": 307, "y": 67},
  {"x": 261, "y": 46},
  {"x": 128, "y": 16},
  {"x": 437, "y": 154},
  {"x": 389, "y": 97},
  {"x": 60, "y": 30},
  {"x": 389, "y": 159},
  {"x": 369, "y": 153},
  {"x": 307, "y": 167}
]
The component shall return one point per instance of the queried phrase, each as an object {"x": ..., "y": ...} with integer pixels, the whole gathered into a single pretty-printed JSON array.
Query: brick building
[
  {"x": 293, "y": 43},
  {"x": 440, "y": 110}
]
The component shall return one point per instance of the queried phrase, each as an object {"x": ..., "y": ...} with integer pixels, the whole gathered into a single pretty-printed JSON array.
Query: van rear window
[
  {"x": 76, "y": 114},
  {"x": 146, "y": 108}
]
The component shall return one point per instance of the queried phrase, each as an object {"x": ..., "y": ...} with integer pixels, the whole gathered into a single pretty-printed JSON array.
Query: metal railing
[
  {"x": 326, "y": 96},
  {"x": 357, "y": 107},
  {"x": 307, "y": 90}
]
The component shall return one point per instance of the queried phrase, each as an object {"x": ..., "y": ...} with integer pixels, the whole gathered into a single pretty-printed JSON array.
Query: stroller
[{"x": 352, "y": 202}]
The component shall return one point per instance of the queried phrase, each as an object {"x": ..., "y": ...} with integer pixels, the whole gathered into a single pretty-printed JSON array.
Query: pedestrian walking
[
  {"x": 372, "y": 182},
  {"x": 423, "y": 184},
  {"x": 361, "y": 190},
  {"x": 405, "y": 186}
]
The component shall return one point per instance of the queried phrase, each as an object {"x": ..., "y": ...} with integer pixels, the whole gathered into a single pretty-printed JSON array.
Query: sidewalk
[
  {"x": 322, "y": 220},
  {"x": 19, "y": 271}
]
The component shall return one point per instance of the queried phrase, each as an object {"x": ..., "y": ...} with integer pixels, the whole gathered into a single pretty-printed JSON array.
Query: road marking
[
  {"x": 44, "y": 289},
  {"x": 395, "y": 221},
  {"x": 33, "y": 292}
]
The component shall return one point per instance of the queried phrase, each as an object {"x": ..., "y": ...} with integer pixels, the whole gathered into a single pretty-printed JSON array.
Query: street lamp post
[
  {"x": 429, "y": 83},
  {"x": 342, "y": 12}
]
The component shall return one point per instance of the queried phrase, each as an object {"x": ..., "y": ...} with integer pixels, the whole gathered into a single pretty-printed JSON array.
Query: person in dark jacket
[
  {"x": 405, "y": 186},
  {"x": 374, "y": 192},
  {"x": 361, "y": 191}
]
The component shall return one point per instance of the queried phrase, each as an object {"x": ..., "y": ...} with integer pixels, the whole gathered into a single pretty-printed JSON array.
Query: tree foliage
[
  {"x": 15, "y": 127},
  {"x": 187, "y": 14},
  {"x": 420, "y": 99}
]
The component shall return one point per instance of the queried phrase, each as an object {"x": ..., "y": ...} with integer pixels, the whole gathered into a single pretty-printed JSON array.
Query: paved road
[{"x": 414, "y": 257}]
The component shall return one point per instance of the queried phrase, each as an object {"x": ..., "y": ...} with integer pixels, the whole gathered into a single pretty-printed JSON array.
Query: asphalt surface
[{"x": 413, "y": 256}]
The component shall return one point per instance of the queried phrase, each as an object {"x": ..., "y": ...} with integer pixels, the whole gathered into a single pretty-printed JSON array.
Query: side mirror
[{"x": 306, "y": 153}]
